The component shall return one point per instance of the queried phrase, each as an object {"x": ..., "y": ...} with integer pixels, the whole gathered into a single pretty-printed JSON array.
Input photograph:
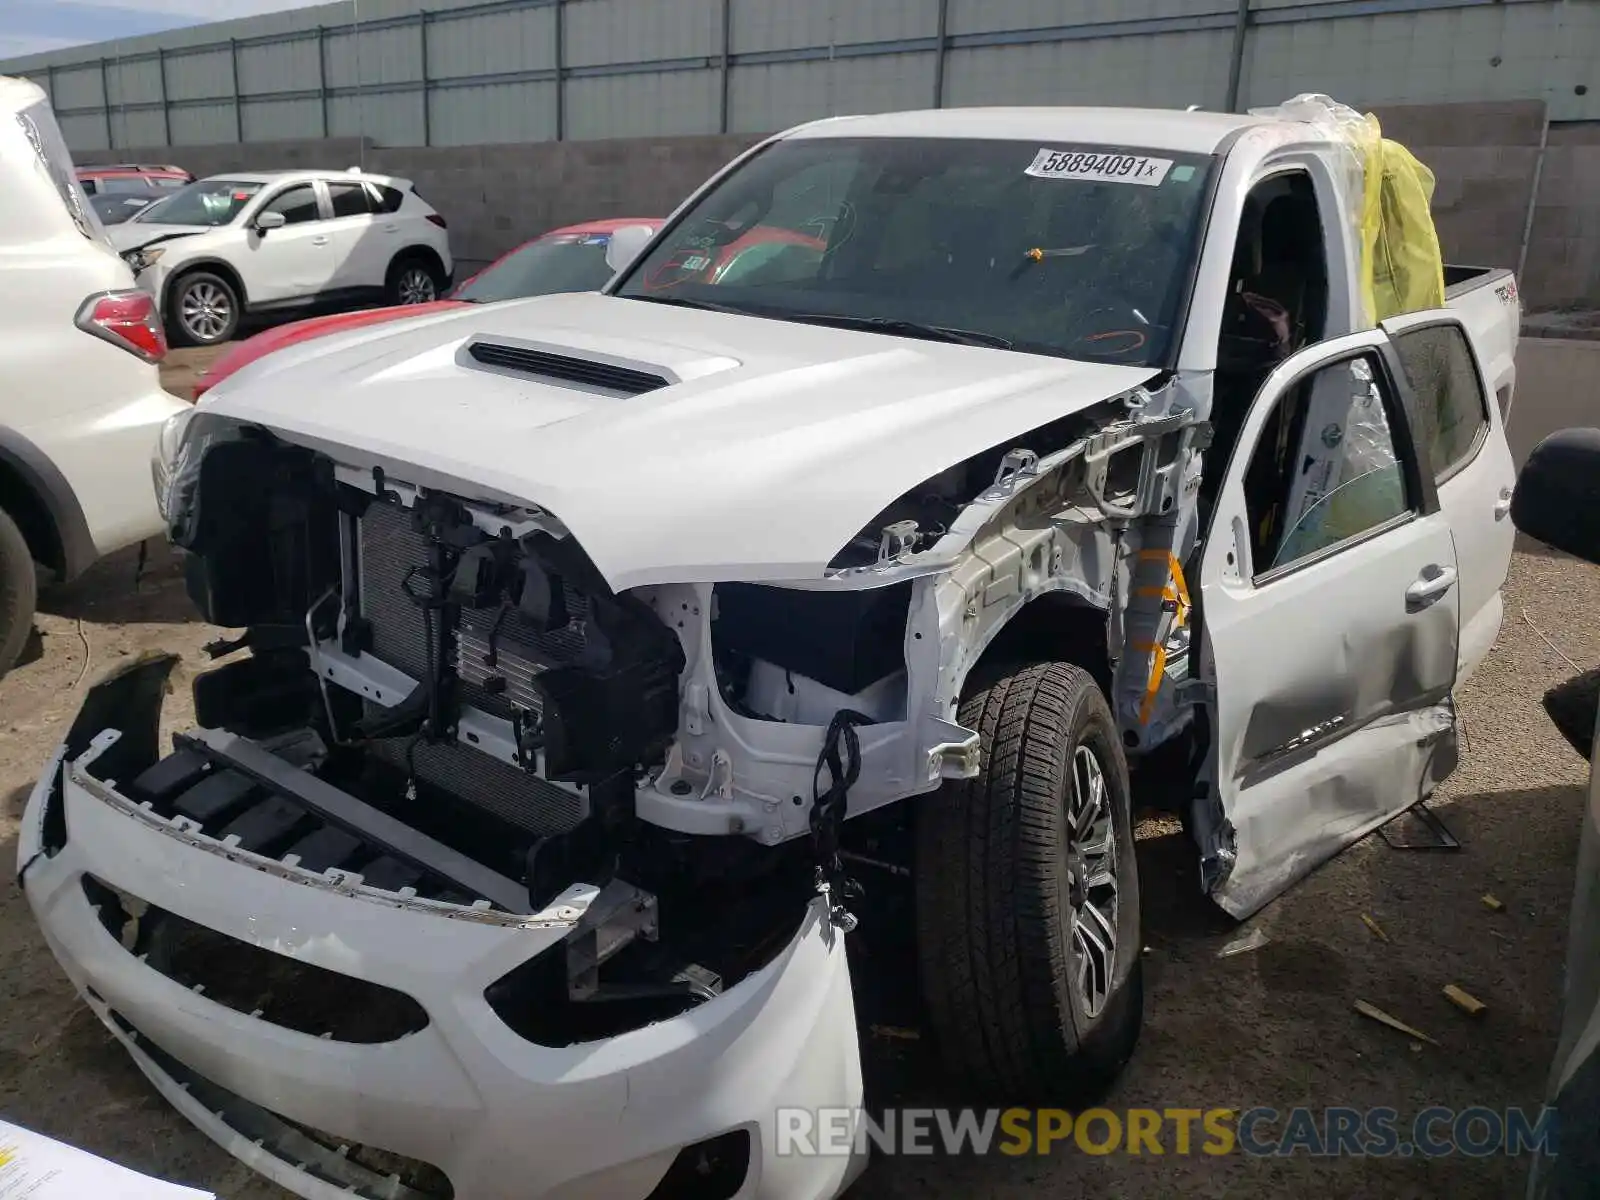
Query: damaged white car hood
[
  {"x": 772, "y": 445},
  {"x": 131, "y": 235}
]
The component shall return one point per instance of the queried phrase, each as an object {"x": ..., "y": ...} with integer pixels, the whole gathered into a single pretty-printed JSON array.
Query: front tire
[
  {"x": 413, "y": 280},
  {"x": 203, "y": 310},
  {"x": 1028, "y": 929},
  {"x": 19, "y": 592}
]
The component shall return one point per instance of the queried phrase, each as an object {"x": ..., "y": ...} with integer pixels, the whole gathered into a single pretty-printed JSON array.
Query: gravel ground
[
  {"x": 182, "y": 367},
  {"x": 1274, "y": 1026}
]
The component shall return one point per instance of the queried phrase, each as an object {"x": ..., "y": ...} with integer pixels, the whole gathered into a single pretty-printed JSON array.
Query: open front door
[{"x": 1330, "y": 620}]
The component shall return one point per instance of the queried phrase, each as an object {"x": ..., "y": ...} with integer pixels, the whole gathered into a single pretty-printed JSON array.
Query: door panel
[
  {"x": 361, "y": 248},
  {"x": 1329, "y": 619},
  {"x": 1456, "y": 417},
  {"x": 292, "y": 261}
]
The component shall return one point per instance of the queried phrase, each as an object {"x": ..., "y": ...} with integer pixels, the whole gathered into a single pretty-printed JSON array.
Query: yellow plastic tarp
[
  {"x": 1386, "y": 192},
  {"x": 1402, "y": 267}
]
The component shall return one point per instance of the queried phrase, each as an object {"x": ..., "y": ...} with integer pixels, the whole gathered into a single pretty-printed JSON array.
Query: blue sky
[{"x": 32, "y": 26}]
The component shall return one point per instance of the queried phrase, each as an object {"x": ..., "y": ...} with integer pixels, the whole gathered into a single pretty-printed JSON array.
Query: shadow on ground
[
  {"x": 1276, "y": 1026},
  {"x": 119, "y": 590}
]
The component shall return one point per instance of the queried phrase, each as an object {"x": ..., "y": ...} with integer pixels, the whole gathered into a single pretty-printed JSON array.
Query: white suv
[
  {"x": 82, "y": 403},
  {"x": 278, "y": 240}
]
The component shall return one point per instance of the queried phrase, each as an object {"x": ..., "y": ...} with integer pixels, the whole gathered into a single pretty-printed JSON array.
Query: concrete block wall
[
  {"x": 497, "y": 196},
  {"x": 1563, "y": 268},
  {"x": 1557, "y": 382},
  {"x": 1484, "y": 157},
  {"x": 336, "y": 153},
  {"x": 1487, "y": 160}
]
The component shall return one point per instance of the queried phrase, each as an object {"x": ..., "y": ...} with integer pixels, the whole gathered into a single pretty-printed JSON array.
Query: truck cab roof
[{"x": 1151, "y": 128}]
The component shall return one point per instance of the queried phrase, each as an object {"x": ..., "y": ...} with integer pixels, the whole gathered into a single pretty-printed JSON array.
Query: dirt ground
[
  {"x": 181, "y": 368},
  {"x": 1273, "y": 1026}
]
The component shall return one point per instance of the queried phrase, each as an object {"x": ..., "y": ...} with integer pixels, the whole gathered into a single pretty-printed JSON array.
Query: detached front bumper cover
[{"x": 474, "y": 1107}]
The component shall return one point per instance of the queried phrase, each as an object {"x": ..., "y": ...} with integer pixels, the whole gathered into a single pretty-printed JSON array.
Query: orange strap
[{"x": 1176, "y": 590}]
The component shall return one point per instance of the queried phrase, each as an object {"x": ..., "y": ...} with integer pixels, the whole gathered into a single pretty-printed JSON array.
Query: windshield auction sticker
[
  {"x": 38, "y": 1168},
  {"x": 1095, "y": 166}
]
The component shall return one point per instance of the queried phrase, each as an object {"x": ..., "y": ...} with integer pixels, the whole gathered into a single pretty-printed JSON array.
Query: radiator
[{"x": 388, "y": 549}]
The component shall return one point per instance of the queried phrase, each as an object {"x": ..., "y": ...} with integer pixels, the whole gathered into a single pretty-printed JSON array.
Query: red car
[
  {"x": 570, "y": 259},
  {"x": 131, "y": 177}
]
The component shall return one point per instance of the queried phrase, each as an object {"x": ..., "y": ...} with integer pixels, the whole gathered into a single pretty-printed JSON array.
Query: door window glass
[
  {"x": 1326, "y": 468},
  {"x": 1451, "y": 408},
  {"x": 349, "y": 200},
  {"x": 297, "y": 204}
]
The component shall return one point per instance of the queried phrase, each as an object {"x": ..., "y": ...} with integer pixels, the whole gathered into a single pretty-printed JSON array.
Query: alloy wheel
[
  {"x": 416, "y": 286},
  {"x": 1091, "y": 881},
  {"x": 205, "y": 311}
]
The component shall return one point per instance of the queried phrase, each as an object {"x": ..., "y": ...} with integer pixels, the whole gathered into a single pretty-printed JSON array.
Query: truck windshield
[{"x": 1080, "y": 252}]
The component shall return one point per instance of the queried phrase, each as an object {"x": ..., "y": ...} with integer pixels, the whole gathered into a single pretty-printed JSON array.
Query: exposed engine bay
[
  {"x": 487, "y": 690},
  {"x": 445, "y": 698}
]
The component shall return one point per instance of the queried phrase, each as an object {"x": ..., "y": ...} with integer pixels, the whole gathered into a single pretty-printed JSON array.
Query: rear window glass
[
  {"x": 569, "y": 263},
  {"x": 124, "y": 184},
  {"x": 389, "y": 199},
  {"x": 52, "y": 158}
]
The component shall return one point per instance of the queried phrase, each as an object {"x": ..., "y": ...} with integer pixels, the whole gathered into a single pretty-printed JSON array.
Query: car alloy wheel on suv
[
  {"x": 205, "y": 309},
  {"x": 414, "y": 284}
]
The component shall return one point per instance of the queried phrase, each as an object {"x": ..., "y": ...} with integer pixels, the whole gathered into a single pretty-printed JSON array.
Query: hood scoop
[{"x": 593, "y": 372}]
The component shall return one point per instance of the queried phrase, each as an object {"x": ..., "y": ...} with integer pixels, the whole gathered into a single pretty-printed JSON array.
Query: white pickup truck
[{"x": 594, "y": 640}]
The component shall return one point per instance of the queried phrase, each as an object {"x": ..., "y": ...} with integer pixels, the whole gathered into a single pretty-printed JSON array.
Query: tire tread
[
  {"x": 19, "y": 592},
  {"x": 992, "y": 946}
]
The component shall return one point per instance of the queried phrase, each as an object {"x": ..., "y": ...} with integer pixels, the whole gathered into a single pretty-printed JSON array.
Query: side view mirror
[
  {"x": 1557, "y": 499},
  {"x": 269, "y": 220},
  {"x": 625, "y": 244}
]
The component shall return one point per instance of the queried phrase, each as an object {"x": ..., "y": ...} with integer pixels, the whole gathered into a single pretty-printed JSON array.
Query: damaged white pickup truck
[{"x": 591, "y": 642}]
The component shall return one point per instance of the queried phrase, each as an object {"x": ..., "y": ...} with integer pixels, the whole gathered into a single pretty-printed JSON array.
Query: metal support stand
[{"x": 1433, "y": 834}]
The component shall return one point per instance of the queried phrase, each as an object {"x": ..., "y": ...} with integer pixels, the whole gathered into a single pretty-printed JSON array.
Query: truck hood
[{"x": 771, "y": 446}]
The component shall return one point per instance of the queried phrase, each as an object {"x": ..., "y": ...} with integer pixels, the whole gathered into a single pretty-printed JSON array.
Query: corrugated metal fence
[{"x": 530, "y": 70}]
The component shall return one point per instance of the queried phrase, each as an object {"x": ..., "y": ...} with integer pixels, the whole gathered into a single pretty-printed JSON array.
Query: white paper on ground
[{"x": 35, "y": 1167}]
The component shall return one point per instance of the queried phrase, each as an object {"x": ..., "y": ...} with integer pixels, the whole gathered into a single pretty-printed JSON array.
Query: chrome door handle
[
  {"x": 321, "y": 240},
  {"x": 1430, "y": 585},
  {"x": 1502, "y": 506}
]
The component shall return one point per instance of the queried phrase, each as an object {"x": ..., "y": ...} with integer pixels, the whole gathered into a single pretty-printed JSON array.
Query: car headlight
[
  {"x": 165, "y": 461},
  {"x": 140, "y": 259}
]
